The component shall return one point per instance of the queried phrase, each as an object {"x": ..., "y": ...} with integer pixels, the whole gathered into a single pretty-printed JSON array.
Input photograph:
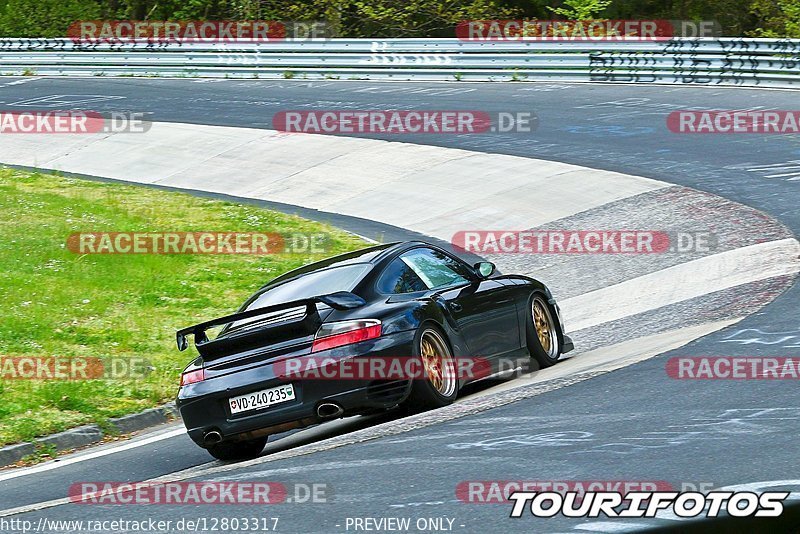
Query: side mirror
[{"x": 484, "y": 269}]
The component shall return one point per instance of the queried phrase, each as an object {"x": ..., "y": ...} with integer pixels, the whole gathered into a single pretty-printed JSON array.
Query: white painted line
[
  {"x": 608, "y": 526},
  {"x": 367, "y": 239},
  {"x": 782, "y": 175},
  {"x": 34, "y": 507},
  {"x": 682, "y": 282},
  {"x": 20, "y": 82},
  {"x": 49, "y": 466},
  {"x": 52, "y": 101},
  {"x": 668, "y": 87}
]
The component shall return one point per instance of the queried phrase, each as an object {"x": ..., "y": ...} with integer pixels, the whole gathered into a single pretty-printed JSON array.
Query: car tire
[
  {"x": 544, "y": 341},
  {"x": 438, "y": 387},
  {"x": 238, "y": 450}
]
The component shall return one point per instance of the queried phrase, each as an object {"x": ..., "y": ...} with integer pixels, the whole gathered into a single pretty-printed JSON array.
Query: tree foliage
[
  {"x": 581, "y": 9},
  {"x": 43, "y": 18},
  {"x": 399, "y": 18},
  {"x": 778, "y": 18}
]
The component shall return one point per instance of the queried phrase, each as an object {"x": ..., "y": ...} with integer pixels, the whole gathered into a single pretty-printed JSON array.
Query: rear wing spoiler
[{"x": 341, "y": 300}]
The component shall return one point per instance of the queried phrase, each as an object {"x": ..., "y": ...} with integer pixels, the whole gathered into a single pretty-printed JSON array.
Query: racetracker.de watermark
[
  {"x": 582, "y": 241},
  {"x": 198, "y": 493},
  {"x": 72, "y": 122},
  {"x": 499, "y": 491},
  {"x": 733, "y": 368},
  {"x": 383, "y": 368},
  {"x": 455, "y": 122},
  {"x": 252, "y": 243},
  {"x": 584, "y": 30},
  {"x": 141, "y": 525},
  {"x": 734, "y": 122},
  {"x": 196, "y": 31},
  {"x": 73, "y": 368}
]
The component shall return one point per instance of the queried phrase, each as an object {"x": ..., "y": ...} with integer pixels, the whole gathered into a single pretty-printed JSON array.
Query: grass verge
[{"x": 58, "y": 303}]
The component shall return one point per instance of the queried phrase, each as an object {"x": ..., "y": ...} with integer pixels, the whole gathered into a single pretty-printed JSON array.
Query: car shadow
[
  {"x": 338, "y": 427},
  {"x": 330, "y": 429}
]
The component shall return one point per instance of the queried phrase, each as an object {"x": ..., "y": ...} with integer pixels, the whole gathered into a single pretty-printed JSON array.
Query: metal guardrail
[{"x": 700, "y": 61}]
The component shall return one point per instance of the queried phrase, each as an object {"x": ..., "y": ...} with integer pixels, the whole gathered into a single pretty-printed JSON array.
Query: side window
[
  {"x": 399, "y": 278},
  {"x": 422, "y": 269}
]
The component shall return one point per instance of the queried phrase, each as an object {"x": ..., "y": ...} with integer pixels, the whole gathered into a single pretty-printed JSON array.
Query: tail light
[
  {"x": 345, "y": 333},
  {"x": 192, "y": 377}
]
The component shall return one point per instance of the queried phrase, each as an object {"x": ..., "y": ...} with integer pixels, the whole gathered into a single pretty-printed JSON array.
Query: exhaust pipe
[
  {"x": 329, "y": 410},
  {"x": 212, "y": 438}
]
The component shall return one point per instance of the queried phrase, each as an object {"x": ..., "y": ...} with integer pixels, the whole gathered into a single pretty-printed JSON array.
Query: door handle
[{"x": 455, "y": 306}]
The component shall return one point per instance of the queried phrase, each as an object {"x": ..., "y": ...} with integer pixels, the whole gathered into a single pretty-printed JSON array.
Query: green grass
[
  {"x": 58, "y": 303},
  {"x": 42, "y": 453}
]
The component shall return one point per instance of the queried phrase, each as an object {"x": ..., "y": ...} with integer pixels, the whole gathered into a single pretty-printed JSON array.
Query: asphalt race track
[{"x": 631, "y": 424}]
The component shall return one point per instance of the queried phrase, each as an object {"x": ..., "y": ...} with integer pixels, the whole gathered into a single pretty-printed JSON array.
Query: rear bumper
[{"x": 204, "y": 406}]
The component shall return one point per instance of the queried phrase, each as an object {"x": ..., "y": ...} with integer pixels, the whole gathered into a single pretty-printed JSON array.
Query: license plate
[{"x": 261, "y": 399}]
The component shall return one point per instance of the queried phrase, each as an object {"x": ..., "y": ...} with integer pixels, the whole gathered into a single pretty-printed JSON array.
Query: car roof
[{"x": 370, "y": 255}]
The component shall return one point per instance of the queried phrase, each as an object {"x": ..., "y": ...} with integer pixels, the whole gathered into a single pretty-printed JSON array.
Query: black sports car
[{"x": 267, "y": 369}]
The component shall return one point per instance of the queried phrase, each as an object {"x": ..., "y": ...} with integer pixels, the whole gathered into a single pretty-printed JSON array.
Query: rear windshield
[{"x": 343, "y": 278}]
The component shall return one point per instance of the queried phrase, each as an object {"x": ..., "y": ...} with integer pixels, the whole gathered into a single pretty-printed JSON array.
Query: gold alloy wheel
[
  {"x": 545, "y": 329},
  {"x": 438, "y": 363}
]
